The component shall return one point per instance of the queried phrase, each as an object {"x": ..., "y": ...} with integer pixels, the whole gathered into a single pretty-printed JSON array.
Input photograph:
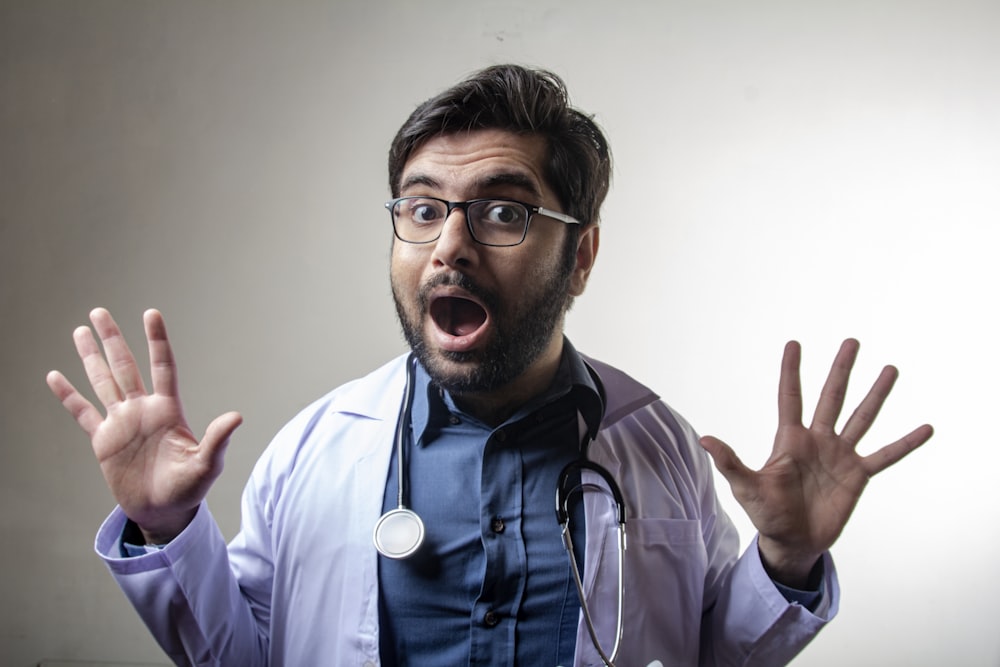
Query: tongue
[{"x": 459, "y": 317}]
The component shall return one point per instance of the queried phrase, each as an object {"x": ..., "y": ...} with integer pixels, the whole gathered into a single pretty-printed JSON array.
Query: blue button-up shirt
[{"x": 492, "y": 583}]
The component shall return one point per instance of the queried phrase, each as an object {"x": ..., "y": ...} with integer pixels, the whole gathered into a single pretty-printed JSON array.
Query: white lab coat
[{"x": 299, "y": 586}]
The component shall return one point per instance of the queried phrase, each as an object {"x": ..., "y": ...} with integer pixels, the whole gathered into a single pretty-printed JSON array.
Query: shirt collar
[{"x": 433, "y": 407}]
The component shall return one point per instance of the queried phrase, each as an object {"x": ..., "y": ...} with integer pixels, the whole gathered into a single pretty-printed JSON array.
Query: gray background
[{"x": 784, "y": 169}]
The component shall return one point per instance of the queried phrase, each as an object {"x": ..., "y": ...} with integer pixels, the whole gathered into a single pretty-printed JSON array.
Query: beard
[{"x": 522, "y": 330}]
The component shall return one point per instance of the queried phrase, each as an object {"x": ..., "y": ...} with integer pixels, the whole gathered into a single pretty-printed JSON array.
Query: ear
[{"x": 586, "y": 255}]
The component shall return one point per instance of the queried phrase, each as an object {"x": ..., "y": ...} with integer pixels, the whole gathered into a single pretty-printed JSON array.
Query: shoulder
[
  {"x": 372, "y": 399},
  {"x": 634, "y": 413},
  {"x": 375, "y": 396},
  {"x": 623, "y": 394},
  {"x": 335, "y": 446}
]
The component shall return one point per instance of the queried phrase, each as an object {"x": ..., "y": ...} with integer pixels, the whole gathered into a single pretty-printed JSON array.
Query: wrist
[
  {"x": 160, "y": 532},
  {"x": 791, "y": 568}
]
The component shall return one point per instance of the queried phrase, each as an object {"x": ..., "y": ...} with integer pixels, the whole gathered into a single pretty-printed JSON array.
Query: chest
[{"x": 492, "y": 579}]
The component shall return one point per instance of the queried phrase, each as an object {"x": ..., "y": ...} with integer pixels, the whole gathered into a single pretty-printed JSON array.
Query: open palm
[
  {"x": 156, "y": 468},
  {"x": 802, "y": 497}
]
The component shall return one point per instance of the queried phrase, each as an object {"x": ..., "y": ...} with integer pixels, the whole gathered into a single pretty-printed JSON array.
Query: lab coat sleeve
[
  {"x": 748, "y": 622},
  {"x": 753, "y": 624},
  {"x": 245, "y": 603},
  {"x": 187, "y": 594}
]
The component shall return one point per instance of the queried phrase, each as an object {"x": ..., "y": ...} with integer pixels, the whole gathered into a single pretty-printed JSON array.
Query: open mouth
[{"x": 457, "y": 316}]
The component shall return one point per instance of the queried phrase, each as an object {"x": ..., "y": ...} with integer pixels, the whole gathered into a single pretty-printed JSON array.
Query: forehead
[{"x": 469, "y": 162}]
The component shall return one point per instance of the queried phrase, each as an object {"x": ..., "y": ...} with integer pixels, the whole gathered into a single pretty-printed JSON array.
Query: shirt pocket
[
  {"x": 667, "y": 558},
  {"x": 665, "y": 533}
]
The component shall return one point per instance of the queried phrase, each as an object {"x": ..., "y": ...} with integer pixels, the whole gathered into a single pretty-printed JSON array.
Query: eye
[
  {"x": 422, "y": 211},
  {"x": 503, "y": 213}
]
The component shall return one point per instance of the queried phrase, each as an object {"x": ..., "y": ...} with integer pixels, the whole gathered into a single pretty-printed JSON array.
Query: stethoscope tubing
[
  {"x": 565, "y": 486},
  {"x": 399, "y": 533}
]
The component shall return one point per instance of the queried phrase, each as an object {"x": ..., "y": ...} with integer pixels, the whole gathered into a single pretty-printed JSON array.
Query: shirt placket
[{"x": 495, "y": 611}]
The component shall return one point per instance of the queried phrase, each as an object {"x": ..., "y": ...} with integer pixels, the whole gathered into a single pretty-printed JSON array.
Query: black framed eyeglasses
[{"x": 492, "y": 222}]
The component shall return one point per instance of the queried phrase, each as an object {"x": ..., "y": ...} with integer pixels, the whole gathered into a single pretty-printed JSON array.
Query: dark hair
[{"x": 524, "y": 101}]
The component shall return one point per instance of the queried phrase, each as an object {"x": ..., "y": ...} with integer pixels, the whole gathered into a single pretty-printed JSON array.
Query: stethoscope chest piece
[{"x": 398, "y": 533}]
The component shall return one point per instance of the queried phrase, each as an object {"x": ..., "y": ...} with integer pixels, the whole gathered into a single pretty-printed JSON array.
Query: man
[{"x": 497, "y": 185}]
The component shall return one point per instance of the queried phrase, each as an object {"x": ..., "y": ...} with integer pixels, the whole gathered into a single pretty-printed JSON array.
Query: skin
[
  {"x": 159, "y": 471},
  {"x": 459, "y": 167},
  {"x": 156, "y": 468},
  {"x": 802, "y": 497}
]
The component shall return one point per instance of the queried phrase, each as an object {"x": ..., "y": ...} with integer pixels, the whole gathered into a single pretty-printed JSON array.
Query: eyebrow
[
  {"x": 516, "y": 179},
  {"x": 418, "y": 179}
]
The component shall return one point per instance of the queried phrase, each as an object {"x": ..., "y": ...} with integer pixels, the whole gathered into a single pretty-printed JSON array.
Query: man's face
[{"x": 481, "y": 317}]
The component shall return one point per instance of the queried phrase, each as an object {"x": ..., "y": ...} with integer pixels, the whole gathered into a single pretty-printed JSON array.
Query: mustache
[{"x": 460, "y": 280}]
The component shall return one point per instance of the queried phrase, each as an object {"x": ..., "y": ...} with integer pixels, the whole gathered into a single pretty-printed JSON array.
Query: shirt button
[
  {"x": 497, "y": 524},
  {"x": 501, "y": 436},
  {"x": 454, "y": 420},
  {"x": 491, "y": 619}
]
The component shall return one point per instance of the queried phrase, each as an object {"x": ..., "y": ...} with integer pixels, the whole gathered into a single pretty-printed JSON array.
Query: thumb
[
  {"x": 726, "y": 461},
  {"x": 217, "y": 437}
]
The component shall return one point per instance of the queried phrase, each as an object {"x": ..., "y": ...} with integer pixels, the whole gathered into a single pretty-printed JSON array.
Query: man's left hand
[{"x": 801, "y": 499}]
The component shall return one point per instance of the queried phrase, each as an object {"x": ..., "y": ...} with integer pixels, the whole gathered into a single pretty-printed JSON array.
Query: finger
[
  {"x": 96, "y": 367},
  {"x": 728, "y": 464},
  {"x": 163, "y": 370},
  {"x": 790, "y": 387},
  {"x": 120, "y": 359},
  {"x": 217, "y": 437},
  {"x": 864, "y": 415},
  {"x": 831, "y": 399},
  {"x": 891, "y": 453},
  {"x": 83, "y": 411}
]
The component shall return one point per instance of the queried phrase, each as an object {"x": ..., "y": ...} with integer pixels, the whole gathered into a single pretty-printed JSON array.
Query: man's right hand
[{"x": 156, "y": 468}]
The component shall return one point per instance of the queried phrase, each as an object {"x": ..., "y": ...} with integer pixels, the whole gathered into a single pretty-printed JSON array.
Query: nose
[{"x": 456, "y": 248}]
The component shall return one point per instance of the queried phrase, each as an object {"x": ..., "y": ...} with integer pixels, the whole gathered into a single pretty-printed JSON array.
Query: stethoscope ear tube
[{"x": 567, "y": 483}]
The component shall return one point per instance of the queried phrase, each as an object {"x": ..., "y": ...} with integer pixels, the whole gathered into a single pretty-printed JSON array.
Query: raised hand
[
  {"x": 801, "y": 499},
  {"x": 157, "y": 469}
]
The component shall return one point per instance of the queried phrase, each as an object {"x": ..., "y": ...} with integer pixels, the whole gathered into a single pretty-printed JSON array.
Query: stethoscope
[{"x": 399, "y": 533}]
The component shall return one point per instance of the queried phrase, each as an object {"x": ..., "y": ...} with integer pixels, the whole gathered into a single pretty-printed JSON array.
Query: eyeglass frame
[{"x": 464, "y": 207}]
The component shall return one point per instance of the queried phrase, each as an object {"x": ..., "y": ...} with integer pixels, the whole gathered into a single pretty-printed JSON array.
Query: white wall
[{"x": 784, "y": 169}]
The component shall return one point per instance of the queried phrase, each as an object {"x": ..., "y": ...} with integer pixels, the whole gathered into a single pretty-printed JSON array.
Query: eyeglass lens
[{"x": 491, "y": 221}]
